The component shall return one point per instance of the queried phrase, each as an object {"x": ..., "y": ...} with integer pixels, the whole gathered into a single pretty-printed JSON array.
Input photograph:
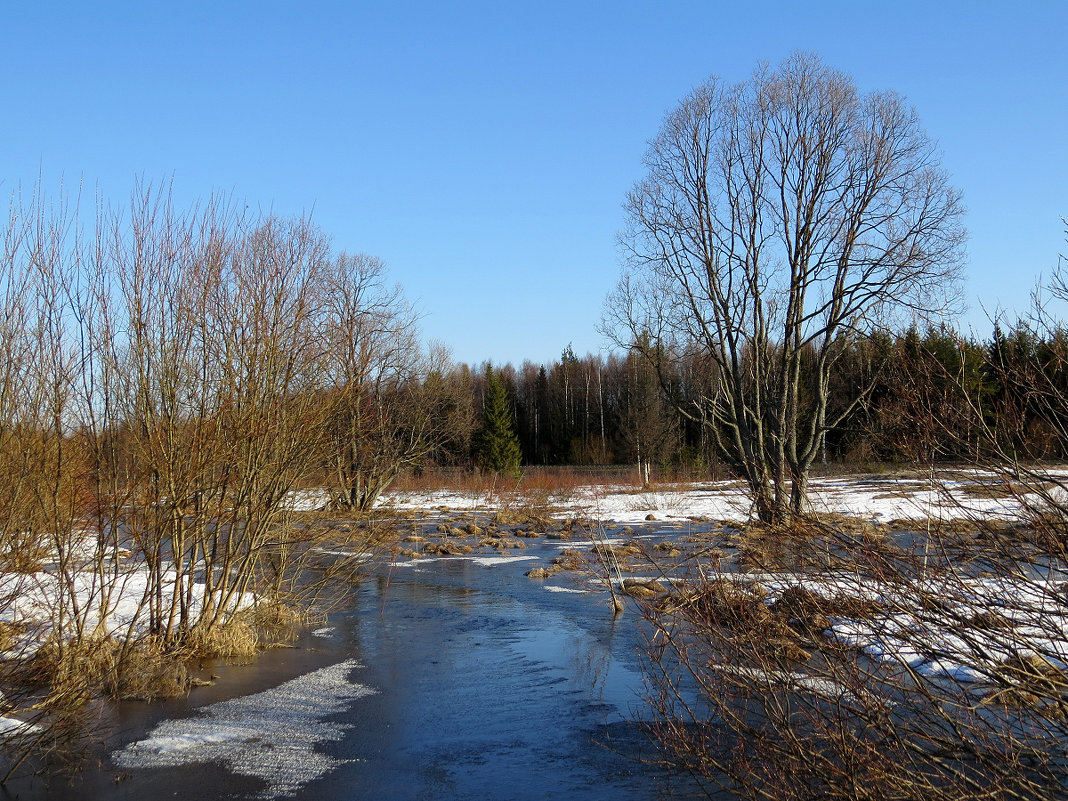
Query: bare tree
[
  {"x": 779, "y": 218},
  {"x": 391, "y": 403}
]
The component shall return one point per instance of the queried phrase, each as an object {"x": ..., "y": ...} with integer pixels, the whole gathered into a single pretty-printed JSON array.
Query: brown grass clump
[
  {"x": 722, "y": 602},
  {"x": 246, "y": 633},
  {"x": 639, "y": 588},
  {"x": 861, "y": 527},
  {"x": 571, "y": 559},
  {"x": 446, "y": 549},
  {"x": 1002, "y": 488},
  {"x": 667, "y": 549},
  {"x": 1034, "y": 674},
  {"x": 522, "y": 516},
  {"x": 619, "y": 553},
  {"x": 544, "y": 572},
  {"x": 786, "y": 649},
  {"x": 70, "y": 670},
  {"x": 566, "y": 561},
  {"x": 234, "y": 638},
  {"x": 990, "y": 621},
  {"x": 147, "y": 672},
  {"x": 804, "y": 610},
  {"x": 74, "y": 672},
  {"x": 10, "y": 634},
  {"x": 277, "y": 623},
  {"x": 23, "y": 553}
]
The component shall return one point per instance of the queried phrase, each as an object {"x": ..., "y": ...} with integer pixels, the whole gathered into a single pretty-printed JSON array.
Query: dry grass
[
  {"x": 278, "y": 623},
  {"x": 998, "y": 488},
  {"x": 558, "y": 482},
  {"x": 235, "y": 638},
  {"x": 77, "y": 671},
  {"x": 245, "y": 634},
  {"x": 10, "y": 634},
  {"x": 23, "y": 553},
  {"x": 147, "y": 671}
]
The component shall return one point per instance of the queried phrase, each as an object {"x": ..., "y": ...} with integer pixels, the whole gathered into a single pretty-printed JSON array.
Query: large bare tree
[{"x": 779, "y": 218}]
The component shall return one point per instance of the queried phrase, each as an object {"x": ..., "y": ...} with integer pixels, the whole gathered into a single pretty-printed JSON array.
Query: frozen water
[{"x": 270, "y": 735}]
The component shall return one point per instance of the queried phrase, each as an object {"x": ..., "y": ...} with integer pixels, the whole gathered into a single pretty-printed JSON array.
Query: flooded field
[
  {"x": 446, "y": 677},
  {"x": 486, "y": 661}
]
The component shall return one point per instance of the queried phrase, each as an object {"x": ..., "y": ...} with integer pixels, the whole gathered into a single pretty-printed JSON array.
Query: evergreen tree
[{"x": 498, "y": 446}]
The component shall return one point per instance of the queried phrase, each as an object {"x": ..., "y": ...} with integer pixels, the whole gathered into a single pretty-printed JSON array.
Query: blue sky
[{"x": 483, "y": 149}]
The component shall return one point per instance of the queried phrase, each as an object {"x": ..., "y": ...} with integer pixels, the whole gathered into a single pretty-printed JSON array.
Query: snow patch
[
  {"x": 558, "y": 588},
  {"x": 490, "y": 561},
  {"x": 270, "y": 735}
]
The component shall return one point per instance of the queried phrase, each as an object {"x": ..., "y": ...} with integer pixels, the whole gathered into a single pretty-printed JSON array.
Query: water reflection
[{"x": 487, "y": 685}]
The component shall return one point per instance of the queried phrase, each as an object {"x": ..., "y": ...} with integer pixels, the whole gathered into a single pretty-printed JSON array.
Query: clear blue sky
[{"x": 483, "y": 149}]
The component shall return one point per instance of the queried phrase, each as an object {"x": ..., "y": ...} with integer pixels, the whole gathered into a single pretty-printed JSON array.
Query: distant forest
[{"x": 932, "y": 396}]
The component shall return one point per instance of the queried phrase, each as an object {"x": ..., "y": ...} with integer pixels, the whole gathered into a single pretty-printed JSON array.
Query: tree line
[{"x": 615, "y": 409}]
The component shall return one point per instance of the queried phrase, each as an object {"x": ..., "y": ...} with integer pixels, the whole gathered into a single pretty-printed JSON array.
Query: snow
[
  {"x": 564, "y": 545},
  {"x": 938, "y": 643},
  {"x": 821, "y": 686},
  {"x": 874, "y": 498},
  {"x": 485, "y": 561},
  {"x": 343, "y": 553},
  {"x": 271, "y": 735},
  {"x": 491, "y": 561},
  {"x": 308, "y": 500},
  {"x": 871, "y": 497},
  {"x": 117, "y": 607},
  {"x": 558, "y": 588}
]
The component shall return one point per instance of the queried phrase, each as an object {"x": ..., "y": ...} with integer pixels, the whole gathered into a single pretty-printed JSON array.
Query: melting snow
[
  {"x": 490, "y": 561},
  {"x": 866, "y": 496},
  {"x": 558, "y": 588},
  {"x": 270, "y": 735}
]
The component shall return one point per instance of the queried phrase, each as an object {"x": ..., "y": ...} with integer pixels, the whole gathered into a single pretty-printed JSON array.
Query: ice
[
  {"x": 929, "y": 643},
  {"x": 13, "y": 728},
  {"x": 271, "y": 735}
]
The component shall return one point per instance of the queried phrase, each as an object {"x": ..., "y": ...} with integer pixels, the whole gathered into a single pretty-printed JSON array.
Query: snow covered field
[{"x": 870, "y": 497}]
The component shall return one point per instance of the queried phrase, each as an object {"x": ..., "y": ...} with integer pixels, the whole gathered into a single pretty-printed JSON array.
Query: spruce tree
[{"x": 498, "y": 447}]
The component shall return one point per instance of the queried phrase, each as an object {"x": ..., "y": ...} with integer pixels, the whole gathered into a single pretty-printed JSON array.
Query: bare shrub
[
  {"x": 883, "y": 674},
  {"x": 166, "y": 381}
]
